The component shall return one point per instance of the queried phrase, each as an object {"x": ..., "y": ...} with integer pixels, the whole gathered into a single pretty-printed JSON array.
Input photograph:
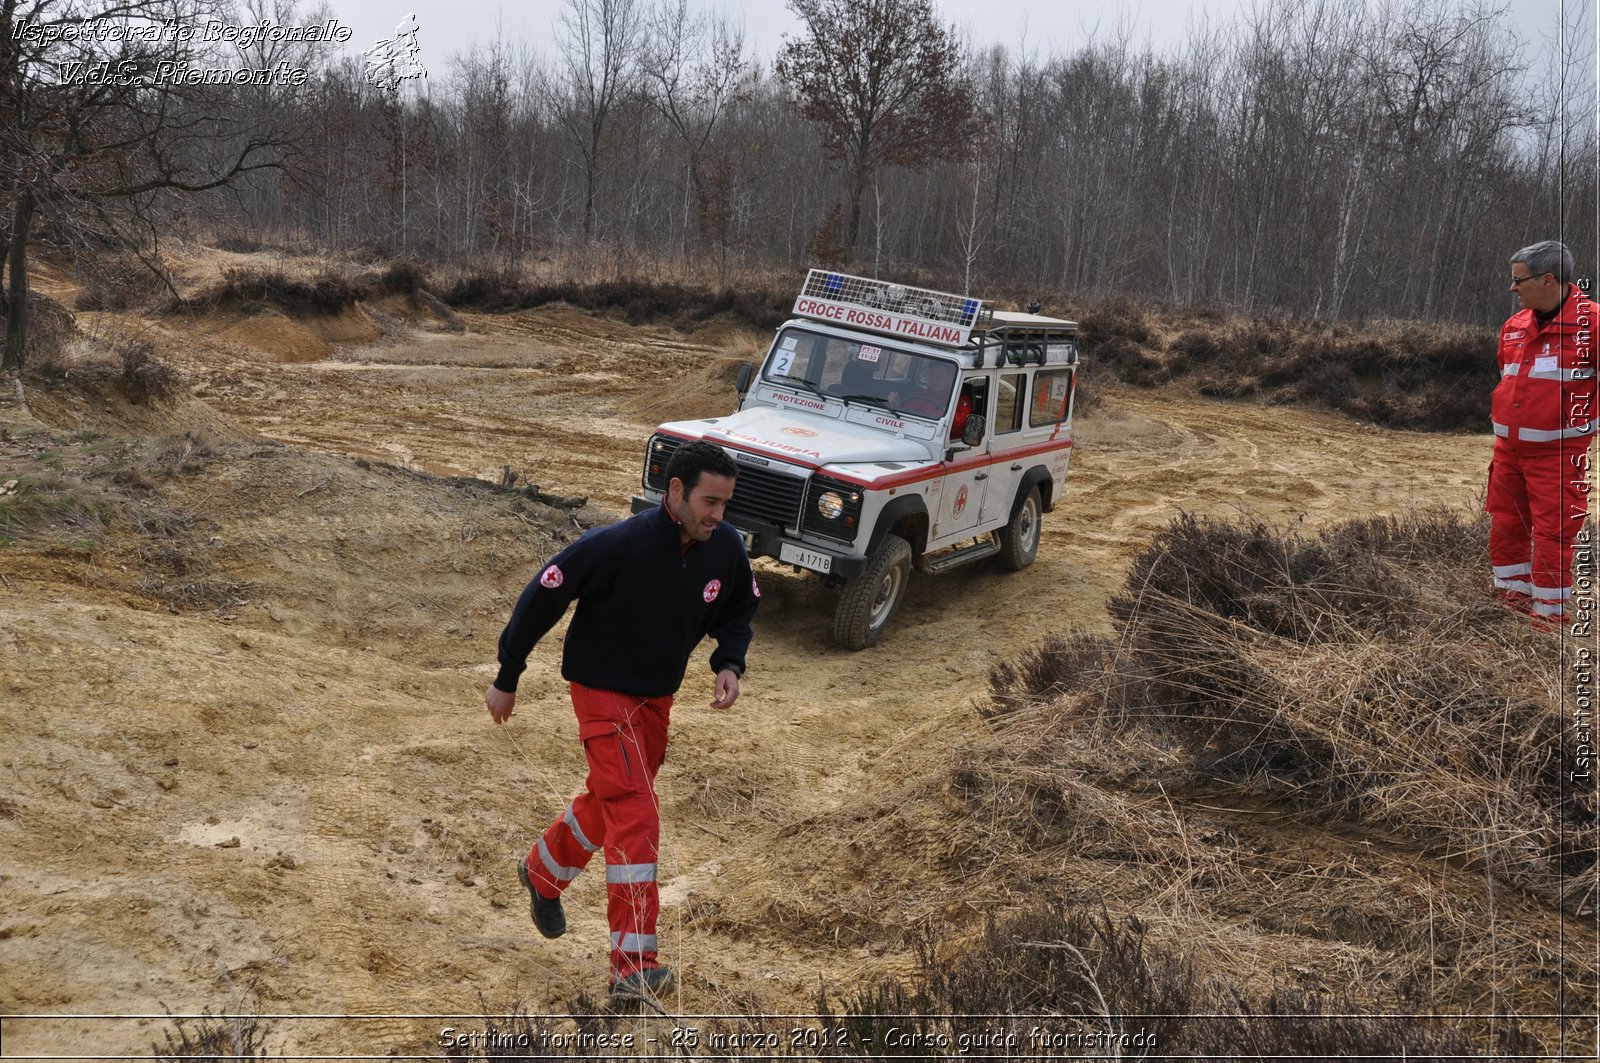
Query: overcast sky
[{"x": 450, "y": 27}]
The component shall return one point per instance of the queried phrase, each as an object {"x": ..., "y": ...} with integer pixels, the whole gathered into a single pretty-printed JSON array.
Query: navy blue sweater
[{"x": 644, "y": 603}]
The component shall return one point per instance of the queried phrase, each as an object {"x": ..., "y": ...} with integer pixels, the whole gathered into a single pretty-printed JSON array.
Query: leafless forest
[{"x": 1337, "y": 159}]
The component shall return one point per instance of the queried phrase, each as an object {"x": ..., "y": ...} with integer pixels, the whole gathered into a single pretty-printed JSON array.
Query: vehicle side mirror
[
  {"x": 746, "y": 371},
  {"x": 972, "y": 433}
]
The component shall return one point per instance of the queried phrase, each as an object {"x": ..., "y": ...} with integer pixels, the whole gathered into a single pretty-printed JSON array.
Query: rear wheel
[
  {"x": 869, "y": 598},
  {"x": 1019, "y": 540}
]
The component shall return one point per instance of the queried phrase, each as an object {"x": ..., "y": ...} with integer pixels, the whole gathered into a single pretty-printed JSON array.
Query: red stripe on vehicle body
[{"x": 900, "y": 479}]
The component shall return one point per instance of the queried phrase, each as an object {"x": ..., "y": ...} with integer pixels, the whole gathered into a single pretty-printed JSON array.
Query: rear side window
[
  {"x": 1008, "y": 410},
  {"x": 1052, "y": 397}
]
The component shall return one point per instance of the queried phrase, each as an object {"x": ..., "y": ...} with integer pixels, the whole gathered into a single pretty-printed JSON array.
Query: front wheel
[
  {"x": 870, "y": 597},
  {"x": 1019, "y": 540}
]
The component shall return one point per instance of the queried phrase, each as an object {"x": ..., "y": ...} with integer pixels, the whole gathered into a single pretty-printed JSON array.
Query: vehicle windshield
[{"x": 914, "y": 385}]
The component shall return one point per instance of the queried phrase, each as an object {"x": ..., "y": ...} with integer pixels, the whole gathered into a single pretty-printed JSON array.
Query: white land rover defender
[{"x": 892, "y": 427}]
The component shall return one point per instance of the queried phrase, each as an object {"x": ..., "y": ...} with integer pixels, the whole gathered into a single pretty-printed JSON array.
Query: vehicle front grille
[{"x": 760, "y": 494}]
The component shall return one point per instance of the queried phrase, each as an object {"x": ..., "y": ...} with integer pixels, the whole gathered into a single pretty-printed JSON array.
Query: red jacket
[{"x": 1547, "y": 374}]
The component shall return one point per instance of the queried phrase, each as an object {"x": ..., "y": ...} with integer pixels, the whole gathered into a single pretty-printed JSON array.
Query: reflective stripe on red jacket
[{"x": 1547, "y": 374}]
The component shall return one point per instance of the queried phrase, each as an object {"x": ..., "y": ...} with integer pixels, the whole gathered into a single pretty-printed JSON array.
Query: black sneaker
[
  {"x": 547, "y": 913},
  {"x": 643, "y": 985}
]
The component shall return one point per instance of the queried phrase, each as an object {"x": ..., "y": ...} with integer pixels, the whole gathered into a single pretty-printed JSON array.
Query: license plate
[{"x": 799, "y": 555}]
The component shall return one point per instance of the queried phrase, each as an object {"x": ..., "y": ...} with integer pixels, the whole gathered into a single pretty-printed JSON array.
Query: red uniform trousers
[
  {"x": 1538, "y": 497},
  {"x": 625, "y": 740}
]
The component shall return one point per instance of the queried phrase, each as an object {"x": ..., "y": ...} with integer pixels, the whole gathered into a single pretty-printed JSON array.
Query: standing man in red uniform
[
  {"x": 1544, "y": 417},
  {"x": 648, "y": 590}
]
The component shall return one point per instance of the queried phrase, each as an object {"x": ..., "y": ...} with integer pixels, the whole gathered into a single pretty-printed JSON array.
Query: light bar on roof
[{"x": 914, "y": 313}]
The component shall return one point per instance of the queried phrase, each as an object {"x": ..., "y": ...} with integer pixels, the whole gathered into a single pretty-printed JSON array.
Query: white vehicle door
[{"x": 966, "y": 485}]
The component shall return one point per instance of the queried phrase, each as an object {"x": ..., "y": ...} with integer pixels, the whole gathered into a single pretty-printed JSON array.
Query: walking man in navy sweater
[{"x": 648, "y": 590}]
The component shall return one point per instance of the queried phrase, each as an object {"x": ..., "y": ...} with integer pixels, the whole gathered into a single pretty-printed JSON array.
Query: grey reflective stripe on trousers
[
  {"x": 1507, "y": 571},
  {"x": 633, "y": 942},
  {"x": 619, "y": 874},
  {"x": 1513, "y": 585},
  {"x": 577, "y": 832},
  {"x": 1501, "y": 430},
  {"x": 1550, "y": 609},
  {"x": 1552, "y": 594},
  {"x": 559, "y": 873}
]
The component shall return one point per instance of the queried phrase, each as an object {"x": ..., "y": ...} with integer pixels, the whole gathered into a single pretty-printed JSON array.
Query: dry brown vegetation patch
[
  {"x": 1433, "y": 377},
  {"x": 1358, "y": 687},
  {"x": 637, "y": 302}
]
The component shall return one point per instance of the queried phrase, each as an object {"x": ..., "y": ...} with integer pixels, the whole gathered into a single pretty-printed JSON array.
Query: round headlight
[{"x": 830, "y": 505}]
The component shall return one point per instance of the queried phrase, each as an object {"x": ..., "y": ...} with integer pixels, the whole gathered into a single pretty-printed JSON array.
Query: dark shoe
[
  {"x": 643, "y": 985},
  {"x": 547, "y": 913}
]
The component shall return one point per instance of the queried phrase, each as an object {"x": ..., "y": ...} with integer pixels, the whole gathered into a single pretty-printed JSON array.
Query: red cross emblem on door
[{"x": 961, "y": 499}]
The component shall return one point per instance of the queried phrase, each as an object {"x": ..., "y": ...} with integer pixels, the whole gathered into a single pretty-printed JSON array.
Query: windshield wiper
[
  {"x": 806, "y": 385},
  {"x": 871, "y": 400}
]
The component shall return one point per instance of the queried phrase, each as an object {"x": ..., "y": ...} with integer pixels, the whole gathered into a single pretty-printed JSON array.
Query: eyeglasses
[{"x": 1522, "y": 280}]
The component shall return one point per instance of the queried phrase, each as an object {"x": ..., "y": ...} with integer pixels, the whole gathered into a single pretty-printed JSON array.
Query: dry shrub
[
  {"x": 146, "y": 376},
  {"x": 209, "y": 1038},
  {"x": 1062, "y": 981},
  {"x": 240, "y": 241},
  {"x": 51, "y": 327},
  {"x": 253, "y": 289},
  {"x": 637, "y": 302},
  {"x": 1362, "y": 673},
  {"x": 1114, "y": 319},
  {"x": 404, "y": 276},
  {"x": 1425, "y": 378},
  {"x": 117, "y": 282}
]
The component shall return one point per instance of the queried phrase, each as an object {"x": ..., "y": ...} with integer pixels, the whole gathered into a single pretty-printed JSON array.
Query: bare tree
[
  {"x": 600, "y": 43},
  {"x": 695, "y": 69},
  {"x": 99, "y": 121},
  {"x": 882, "y": 80}
]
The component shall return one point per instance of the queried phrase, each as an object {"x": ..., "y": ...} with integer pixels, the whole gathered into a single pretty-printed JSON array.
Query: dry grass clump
[
  {"x": 41, "y": 506},
  {"x": 73, "y": 491},
  {"x": 1362, "y": 673},
  {"x": 122, "y": 359}
]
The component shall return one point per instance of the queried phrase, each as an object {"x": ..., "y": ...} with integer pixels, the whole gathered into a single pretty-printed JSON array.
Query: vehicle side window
[
  {"x": 1052, "y": 397},
  {"x": 1008, "y": 410}
]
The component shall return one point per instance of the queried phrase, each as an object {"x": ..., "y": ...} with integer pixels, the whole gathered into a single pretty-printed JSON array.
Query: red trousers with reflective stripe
[
  {"x": 1538, "y": 496},
  {"x": 625, "y": 740}
]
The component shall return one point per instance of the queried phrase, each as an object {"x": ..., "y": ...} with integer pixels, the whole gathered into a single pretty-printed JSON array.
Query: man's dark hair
[{"x": 692, "y": 459}]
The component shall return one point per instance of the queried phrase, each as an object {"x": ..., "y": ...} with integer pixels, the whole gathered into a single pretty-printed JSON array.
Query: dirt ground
[{"x": 249, "y": 752}]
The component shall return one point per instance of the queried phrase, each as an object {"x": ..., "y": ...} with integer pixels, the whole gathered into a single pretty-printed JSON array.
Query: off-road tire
[
  {"x": 1019, "y": 540},
  {"x": 870, "y": 597}
]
